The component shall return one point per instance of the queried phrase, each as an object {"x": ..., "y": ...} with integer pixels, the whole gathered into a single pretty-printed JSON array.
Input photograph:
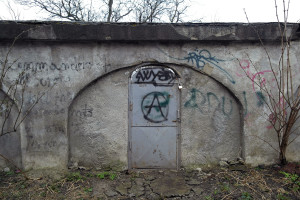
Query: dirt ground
[{"x": 234, "y": 182}]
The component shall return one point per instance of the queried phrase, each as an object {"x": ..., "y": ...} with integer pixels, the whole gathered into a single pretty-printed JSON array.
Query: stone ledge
[{"x": 130, "y": 32}]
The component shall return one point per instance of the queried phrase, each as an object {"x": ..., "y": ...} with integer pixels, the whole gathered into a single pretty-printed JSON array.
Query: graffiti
[
  {"x": 246, "y": 113},
  {"x": 245, "y": 65},
  {"x": 36, "y": 143},
  {"x": 282, "y": 106},
  {"x": 48, "y": 129},
  {"x": 155, "y": 106},
  {"x": 84, "y": 112},
  {"x": 272, "y": 119},
  {"x": 223, "y": 107},
  {"x": 202, "y": 100},
  {"x": 49, "y": 98},
  {"x": 261, "y": 99},
  {"x": 55, "y": 129},
  {"x": 259, "y": 80},
  {"x": 44, "y": 66},
  {"x": 202, "y": 57},
  {"x": 49, "y": 82},
  {"x": 155, "y": 76},
  {"x": 36, "y": 146},
  {"x": 43, "y": 112},
  {"x": 191, "y": 103}
]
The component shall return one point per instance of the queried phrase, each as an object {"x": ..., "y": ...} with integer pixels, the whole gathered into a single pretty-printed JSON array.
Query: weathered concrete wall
[
  {"x": 98, "y": 123},
  {"x": 211, "y": 120},
  {"x": 82, "y": 78}
]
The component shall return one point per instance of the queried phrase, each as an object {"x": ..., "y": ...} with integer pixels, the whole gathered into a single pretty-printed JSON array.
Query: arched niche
[
  {"x": 10, "y": 142},
  {"x": 210, "y": 129}
]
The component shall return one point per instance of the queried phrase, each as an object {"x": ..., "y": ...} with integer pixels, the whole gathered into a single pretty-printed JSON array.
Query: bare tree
[
  {"x": 81, "y": 10},
  {"x": 13, "y": 108},
  {"x": 149, "y": 10},
  {"x": 283, "y": 100},
  {"x": 177, "y": 10},
  {"x": 73, "y": 10},
  {"x": 112, "y": 10},
  {"x": 110, "y": 3},
  {"x": 160, "y": 10},
  {"x": 14, "y": 12},
  {"x": 117, "y": 10},
  {"x": 14, "y": 88}
]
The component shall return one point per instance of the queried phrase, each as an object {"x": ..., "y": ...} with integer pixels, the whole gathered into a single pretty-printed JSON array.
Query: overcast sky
[{"x": 207, "y": 10}]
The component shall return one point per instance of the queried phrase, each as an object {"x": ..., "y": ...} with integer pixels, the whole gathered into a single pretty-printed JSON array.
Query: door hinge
[
  {"x": 178, "y": 116},
  {"x": 130, "y": 146},
  {"x": 130, "y": 107}
]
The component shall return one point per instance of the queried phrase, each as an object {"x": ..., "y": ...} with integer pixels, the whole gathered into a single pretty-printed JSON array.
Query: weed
[
  {"x": 245, "y": 196},
  {"x": 110, "y": 175},
  {"x": 87, "y": 190},
  {"x": 282, "y": 197},
  {"x": 76, "y": 176},
  {"x": 43, "y": 194},
  {"x": 225, "y": 187},
  {"x": 216, "y": 192},
  {"x": 227, "y": 178},
  {"x": 208, "y": 198},
  {"x": 22, "y": 186},
  {"x": 292, "y": 179},
  {"x": 9, "y": 173},
  {"x": 296, "y": 188},
  {"x": 236, "y": 185},
  {"x": 55, "y": 188},
  {"x": 90, "y": 175}
]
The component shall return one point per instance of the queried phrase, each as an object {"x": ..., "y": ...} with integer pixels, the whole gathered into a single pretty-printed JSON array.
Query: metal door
[{"x": 154, "y": 117}]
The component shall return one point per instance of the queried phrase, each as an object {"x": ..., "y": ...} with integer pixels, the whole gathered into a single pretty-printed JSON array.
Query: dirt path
[{"x": 233, "y": 183}]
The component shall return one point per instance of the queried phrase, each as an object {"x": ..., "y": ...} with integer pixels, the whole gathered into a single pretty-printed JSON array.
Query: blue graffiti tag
[
  {"x": 200, "y": 101},
  {"x": 200, "y": 58}
]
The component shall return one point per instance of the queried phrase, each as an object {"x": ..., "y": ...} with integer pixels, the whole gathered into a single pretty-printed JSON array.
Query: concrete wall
[
  {"x": 81, "y": 74},
  {"x": 10, "y": 142}
]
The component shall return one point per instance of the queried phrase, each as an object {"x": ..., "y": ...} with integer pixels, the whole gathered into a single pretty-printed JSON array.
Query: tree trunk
[
  {"x": 283, "y": 148},
  {"x": 110, "y": 3}
]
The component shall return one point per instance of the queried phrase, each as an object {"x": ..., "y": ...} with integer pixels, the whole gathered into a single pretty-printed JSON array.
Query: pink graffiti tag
[
  {"x": 272, "y": 117},
  {"x": 245, "y": 65}
]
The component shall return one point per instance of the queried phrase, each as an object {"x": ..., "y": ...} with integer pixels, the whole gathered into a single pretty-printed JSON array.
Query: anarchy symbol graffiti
[{"x": 155, "y": 106}]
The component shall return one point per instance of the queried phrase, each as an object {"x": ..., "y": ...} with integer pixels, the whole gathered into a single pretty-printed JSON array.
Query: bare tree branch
[{"x": 283, "y": 102}]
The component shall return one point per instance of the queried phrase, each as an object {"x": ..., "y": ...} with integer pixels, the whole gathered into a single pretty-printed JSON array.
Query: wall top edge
[{"x": 130, "y": 32}]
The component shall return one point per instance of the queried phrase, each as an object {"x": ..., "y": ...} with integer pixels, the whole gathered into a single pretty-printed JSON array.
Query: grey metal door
[{"x": 154, "y": 118}]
